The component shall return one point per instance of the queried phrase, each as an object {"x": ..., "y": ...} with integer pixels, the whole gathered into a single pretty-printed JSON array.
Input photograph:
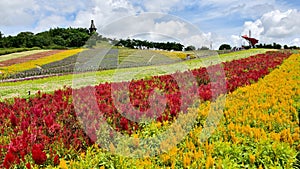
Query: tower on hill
[{"x": 93, "y": 27}]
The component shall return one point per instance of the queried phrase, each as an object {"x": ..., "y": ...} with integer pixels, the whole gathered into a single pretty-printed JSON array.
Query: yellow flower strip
[
  {"x": 175, "y": 54},
  {"x": 39, "y": 62}
]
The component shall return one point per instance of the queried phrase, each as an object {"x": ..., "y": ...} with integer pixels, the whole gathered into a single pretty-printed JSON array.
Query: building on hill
[{"x": 93, "y": 27}]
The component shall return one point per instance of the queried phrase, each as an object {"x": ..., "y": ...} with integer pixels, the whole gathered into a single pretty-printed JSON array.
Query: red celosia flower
[
  {"x": 38, "y": 155},
  {"x": 56, "y": 160},
  {"x": 13, "y": 119},
  {"x": 49, "y": 120},
  {"x": 10, "y": 158},
  {"x": 28, "y": 166}
]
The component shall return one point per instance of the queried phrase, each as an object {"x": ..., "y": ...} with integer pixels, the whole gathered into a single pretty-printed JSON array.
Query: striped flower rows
[
  {"x": 19, "y": 67},
  {"x": 260, "y": 129},
  {"x": 40, "y": 130}
]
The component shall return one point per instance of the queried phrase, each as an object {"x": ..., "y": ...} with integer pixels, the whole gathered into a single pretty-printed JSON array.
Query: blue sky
[{"x": 216, "y": 21}]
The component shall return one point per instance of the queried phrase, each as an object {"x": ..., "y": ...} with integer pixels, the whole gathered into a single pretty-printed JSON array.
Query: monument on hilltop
[{"x": 93, "y": 27}]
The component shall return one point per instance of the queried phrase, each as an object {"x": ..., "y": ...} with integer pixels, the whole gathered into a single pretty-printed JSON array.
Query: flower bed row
[
  {"x": 260, "y": 129},
  {"x": 89, "y": 61},
  {"x": 30, "y": 57},
  {"x": 20, "y": 54},
  {"x": 19, "y": 67},
  {"x": 48, "y": 123}
]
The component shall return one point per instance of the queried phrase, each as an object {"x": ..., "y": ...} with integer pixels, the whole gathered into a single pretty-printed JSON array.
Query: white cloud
[
  {"x": 52, "y": 21},
  {"x": 38, "y": 15},
  {"x": 236, "y": 40},
  {"x": 255, "y": 27},
  {"x": 160, "y": 5},
  {"x": 268, "y": 24},
  {"x": 158, "y": 27},
  {"x": 281, "y": 24},
  {"x": 215, "y": 9},
  {"x": 172, "y": 27},
  {"x": 295, "y": 42},
  {"x": 105, "y": 12},
  {"x": 17, "y": 13},
  {"x": 275, "y": 26}
]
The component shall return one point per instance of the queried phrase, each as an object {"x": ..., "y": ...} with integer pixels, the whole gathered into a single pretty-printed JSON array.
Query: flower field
[
  {"x": 259, "y": 129},
  {"x": 36, "y": 60},
  {"x": 6, "y": 51},
  {"x": 19, "y": 54},
  {"x": 28, "y": 58},
  {"x": 114, "y": 58}
]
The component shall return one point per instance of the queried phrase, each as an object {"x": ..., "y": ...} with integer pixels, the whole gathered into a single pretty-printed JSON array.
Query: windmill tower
[{"x": 93, "y": 27}]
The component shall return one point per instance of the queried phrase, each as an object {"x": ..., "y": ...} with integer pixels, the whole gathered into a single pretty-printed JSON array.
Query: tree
[
  {"x": 58, "y": 40},
  {"x": 225, "y": 47},
  {"x": 190, "y": 48},
  {"x": 276, "y": 46},
  {"x": 24, "y": 39}
]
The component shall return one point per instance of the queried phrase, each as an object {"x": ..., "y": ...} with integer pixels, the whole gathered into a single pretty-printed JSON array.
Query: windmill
[{"x": 251, "y": 41}]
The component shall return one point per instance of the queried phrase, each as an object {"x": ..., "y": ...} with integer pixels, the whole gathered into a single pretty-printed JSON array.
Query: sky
[{"x": 191, "y": 22}]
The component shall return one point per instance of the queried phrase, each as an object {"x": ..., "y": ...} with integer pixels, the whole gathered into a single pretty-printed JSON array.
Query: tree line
[
  {"x": 141, "y": 44},
  {"x": 57, "y": 38},
  {"x": 265, "y": 46},
  {"x": 53, "y": 38}
]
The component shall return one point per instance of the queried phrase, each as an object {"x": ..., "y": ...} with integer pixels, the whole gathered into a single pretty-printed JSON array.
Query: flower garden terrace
[
  {"x": 26, "y": 67},
  {"x": 48, "y": 123},
  {"x": 44, "y": 83}
]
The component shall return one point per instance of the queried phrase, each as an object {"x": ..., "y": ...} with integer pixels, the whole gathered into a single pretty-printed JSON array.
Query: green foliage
[
  {"x": 225, "y": 47},
  {"x": 62, "y": 37},
  {"x": 134, "y": 43},
  {"x": 4, "y": 51},
  {"x": 190, "y": 48},
  {"x": 275, "y": 46}
]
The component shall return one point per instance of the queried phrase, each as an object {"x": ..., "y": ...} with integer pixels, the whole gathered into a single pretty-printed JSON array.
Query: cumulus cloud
[
  {"x": 160, "y": 6},
  {"x": 17, "y": 13},
  {"x": 39, "y": 15},
  {"x": 105, "y": 12},
  {"x": 236, "y": 40},
  {"x": 256, "y": 28},
  {"x": 279, "y": 24},
  {"x": 295, "y": 42},
  {"x": 52, "y": 21},
  {"x": 275, "y": 26},
  {"x": 215, "y": 9},
  {"x": 157, "y": 26},
  {"x": 266, "y": 23}
]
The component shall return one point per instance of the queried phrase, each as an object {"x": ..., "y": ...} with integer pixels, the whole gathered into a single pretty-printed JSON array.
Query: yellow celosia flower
[
  {"x": 252, "y": 158},
  {"x": 63, "y": 164},
  {"x": 209, "y": 162}
]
